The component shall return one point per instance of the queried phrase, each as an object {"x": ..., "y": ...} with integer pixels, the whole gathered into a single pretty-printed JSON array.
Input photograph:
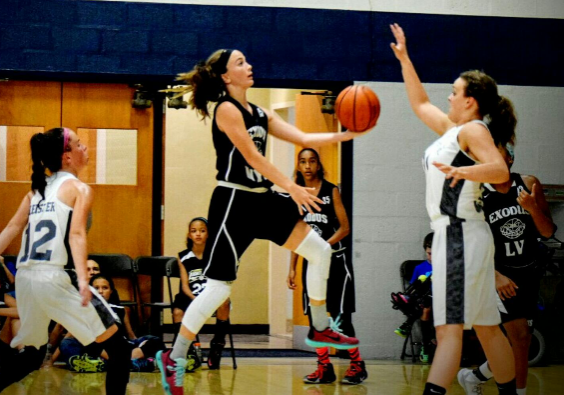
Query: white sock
[
  {"x": 485, "y": 370},
  {"x": 521, "y": 391}
]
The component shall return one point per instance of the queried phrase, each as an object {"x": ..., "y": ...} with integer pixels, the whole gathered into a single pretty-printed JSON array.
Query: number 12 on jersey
[{"x": 34, "y": 254}]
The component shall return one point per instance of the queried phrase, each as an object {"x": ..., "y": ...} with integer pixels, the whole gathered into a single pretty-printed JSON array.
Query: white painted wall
[
  {"x": 390, "y": 220},
  {"x": 510, "y": 8}
]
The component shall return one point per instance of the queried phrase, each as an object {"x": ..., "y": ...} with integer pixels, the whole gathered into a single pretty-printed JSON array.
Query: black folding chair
[
  {"x": 120, "y": 266},
  {"x": 157, "y": 267},
  {"x": 406, "y": 272}
]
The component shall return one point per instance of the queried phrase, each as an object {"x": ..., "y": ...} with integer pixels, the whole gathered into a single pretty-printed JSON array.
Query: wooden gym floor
[{"x": 273, "y": 376}]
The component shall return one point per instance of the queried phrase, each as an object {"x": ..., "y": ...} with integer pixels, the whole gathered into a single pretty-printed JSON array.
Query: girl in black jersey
[
  {"x": 193, "y": 282},
  {"x": 239, "y": 204},
  {"x": 518, "y": 215},
  {"x": 332, "y": 224}
]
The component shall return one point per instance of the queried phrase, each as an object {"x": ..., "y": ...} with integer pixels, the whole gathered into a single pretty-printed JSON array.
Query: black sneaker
[
  {"x": 325, "y": 374},
  {"x": 356, "y": 373},
  {"x": 214, "y": 356}
]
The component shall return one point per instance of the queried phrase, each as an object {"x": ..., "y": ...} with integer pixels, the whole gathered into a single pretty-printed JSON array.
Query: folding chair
[
  {"x": 157, "y": 267},
  {"x": 406, "y": 272}
]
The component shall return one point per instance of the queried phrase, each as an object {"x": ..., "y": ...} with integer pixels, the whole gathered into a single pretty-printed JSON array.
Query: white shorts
[
  {"x": 46, "y": 294},
  {"x": 463, "y": 274}
]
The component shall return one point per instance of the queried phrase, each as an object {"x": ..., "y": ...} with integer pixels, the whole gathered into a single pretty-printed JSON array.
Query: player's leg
[
  {"x": 218, "y": 342},
  {"x": 95, "y": 322}
]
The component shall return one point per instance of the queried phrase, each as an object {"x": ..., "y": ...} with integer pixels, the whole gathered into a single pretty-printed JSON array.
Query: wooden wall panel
[{"x": 25, "y": 103}]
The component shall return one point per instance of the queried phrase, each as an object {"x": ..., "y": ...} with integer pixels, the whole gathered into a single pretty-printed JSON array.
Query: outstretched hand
[
  {"x": 399, "y": 47},
  {"x": 454, "y": 173},
  {"x": 304, "y": 199}
]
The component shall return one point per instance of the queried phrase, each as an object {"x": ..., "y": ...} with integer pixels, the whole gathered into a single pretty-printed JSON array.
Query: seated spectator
[
  {"x": 427, "y": 330},
  {"x": 92, "y": 358},
  {"x": 9, "y": 325},
  {"x": 192, "y": 283}
]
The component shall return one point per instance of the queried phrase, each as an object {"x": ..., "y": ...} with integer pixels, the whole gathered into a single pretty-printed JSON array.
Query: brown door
[
  {"x": 309, "y": 118},
  {"x": 121, "y": 213},
  {"x": 122, "y": 216}
]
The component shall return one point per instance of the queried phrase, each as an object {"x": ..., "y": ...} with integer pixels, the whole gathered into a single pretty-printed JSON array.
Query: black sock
[
  {"x": 431, "y": 389},
  {"x": 426, "y": 331},
  {"x": 509, "y": 388},
  {"x": 220, "y": 331},
  {"x": 119, "y": 354}
]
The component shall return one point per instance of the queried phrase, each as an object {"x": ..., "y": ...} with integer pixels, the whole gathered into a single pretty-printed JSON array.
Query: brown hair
[
  {"x": 46, "y": 153},
  {"x": 204, "y": 82},
  {"x": 498, "y": 110}
]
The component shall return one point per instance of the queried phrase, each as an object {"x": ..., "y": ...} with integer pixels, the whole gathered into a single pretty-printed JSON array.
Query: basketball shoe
[
  {"x": 324, "y": 374},
  {"x": 471, "y": 384},
  {"x": 356, "y": 373},
  {"x": 172, "y": 373},
  {"x": 85, "y": 364},
  {"x": 330, "y": 338}
]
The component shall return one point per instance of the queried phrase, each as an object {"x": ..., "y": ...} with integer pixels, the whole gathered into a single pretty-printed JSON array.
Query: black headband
[{"x": 220, "y": 67}]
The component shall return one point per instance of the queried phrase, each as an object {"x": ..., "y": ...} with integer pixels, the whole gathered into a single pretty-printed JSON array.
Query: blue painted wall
[{"x": 125, "y": 40}]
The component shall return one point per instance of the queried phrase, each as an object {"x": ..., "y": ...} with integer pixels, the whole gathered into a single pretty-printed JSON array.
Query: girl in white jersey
[
  {"x": 51, "y": 283},
  {"x": 464, "y": 294},
  {"x": 236, "y": 215}
]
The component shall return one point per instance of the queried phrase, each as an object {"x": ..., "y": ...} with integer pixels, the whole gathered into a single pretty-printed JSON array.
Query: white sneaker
[{"x": 470, "y": 383}]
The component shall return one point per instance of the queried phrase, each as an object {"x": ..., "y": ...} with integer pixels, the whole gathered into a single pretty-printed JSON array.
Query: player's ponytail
[
  {"x": 496, "y": 110},
  {"x": 38, "y": 182},
  {"x": 46, "y": 153},
  {"x": 502, "y": 122},
  {"x": 204, "y": 82}
]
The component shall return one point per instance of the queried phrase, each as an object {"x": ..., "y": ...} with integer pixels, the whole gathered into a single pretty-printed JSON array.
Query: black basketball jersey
[
  {"x": 231, "y": 165},
  {"x": 514, "y": 231},
  {"x": 195, "y": 269},
  {"x": 325, "y": 222}
]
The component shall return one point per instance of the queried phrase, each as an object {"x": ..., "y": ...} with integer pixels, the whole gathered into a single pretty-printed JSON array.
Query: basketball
[{"x": 357, "y": 108}]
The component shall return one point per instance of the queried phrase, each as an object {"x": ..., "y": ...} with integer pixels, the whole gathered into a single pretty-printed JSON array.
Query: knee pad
[
  {"x": 202, "y": 308},
  {"x": 318, "y": 254}
]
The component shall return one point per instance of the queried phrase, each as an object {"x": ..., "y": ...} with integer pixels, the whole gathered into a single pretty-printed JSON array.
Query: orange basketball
[{"x": 358, "y": 108}]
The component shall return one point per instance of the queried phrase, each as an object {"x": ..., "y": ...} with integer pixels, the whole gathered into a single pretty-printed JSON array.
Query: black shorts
[
  {"x": 181, "y": 301},
  {"x": 524, "y": 304},
  {"x": 236, "y": 218},
  {"x": 340, "y": 286}
]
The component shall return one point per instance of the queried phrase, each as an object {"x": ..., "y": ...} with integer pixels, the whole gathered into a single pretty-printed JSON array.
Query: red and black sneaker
[
  {"x": 356, "y": 373},
  {"x": 330, "y": 338},
  {"x": 325, "y": 374}
]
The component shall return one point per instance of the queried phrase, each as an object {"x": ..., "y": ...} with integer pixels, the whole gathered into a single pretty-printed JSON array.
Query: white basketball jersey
[
  {"x": 45, "y": 239},
  {"x": 464, "y": 201}
]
